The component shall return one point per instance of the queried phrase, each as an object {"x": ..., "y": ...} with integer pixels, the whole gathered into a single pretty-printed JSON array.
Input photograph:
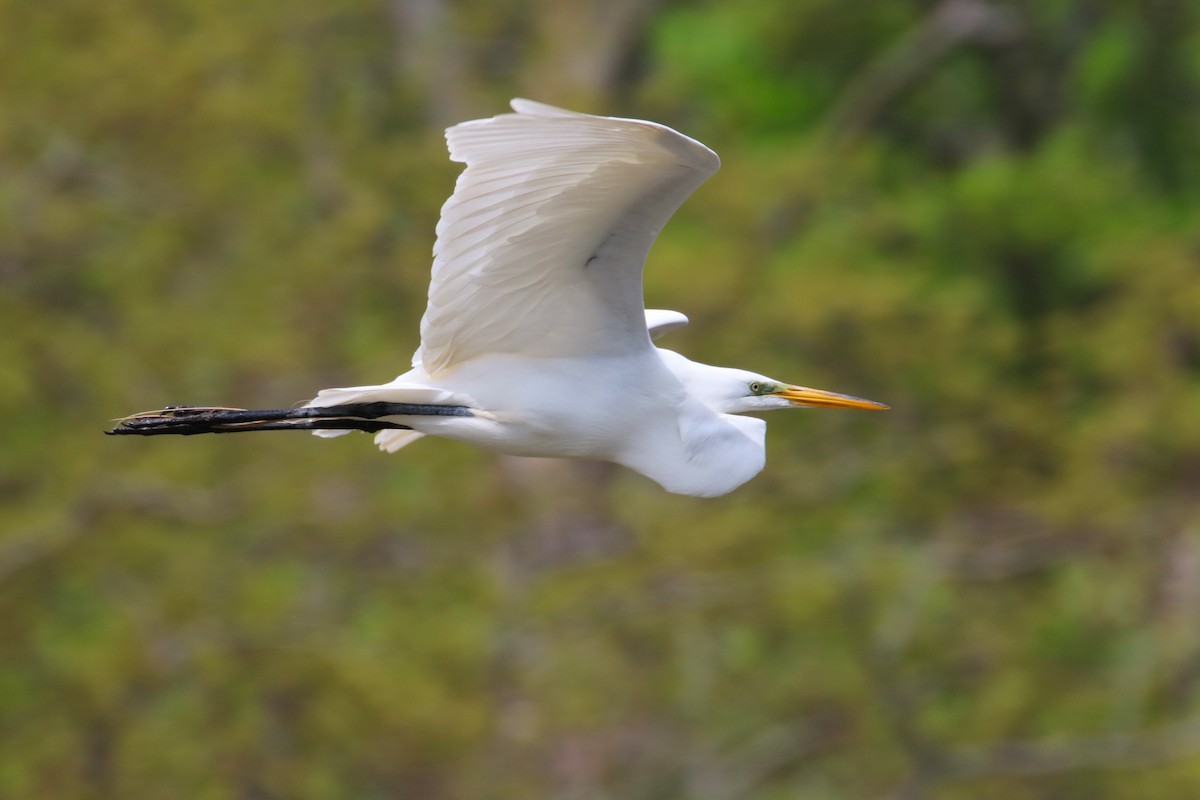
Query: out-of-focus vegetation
[{"x": 985, "y": 213}]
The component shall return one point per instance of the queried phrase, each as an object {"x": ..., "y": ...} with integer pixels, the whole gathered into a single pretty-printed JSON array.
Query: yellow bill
[{"x": 818, "y": 398}]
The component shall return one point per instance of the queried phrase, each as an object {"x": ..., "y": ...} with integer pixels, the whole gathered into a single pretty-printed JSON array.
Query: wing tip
[
  {"x": 691, "y": 151},
  {"x": 532, "y": 108}
]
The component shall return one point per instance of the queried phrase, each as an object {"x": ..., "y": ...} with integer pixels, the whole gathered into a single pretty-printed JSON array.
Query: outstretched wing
[{"x": 540, "y": 248}]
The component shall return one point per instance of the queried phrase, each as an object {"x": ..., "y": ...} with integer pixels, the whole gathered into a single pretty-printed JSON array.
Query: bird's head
[
  {"x": 736, "y": 391},
  {"x": 749, "y": 392}
]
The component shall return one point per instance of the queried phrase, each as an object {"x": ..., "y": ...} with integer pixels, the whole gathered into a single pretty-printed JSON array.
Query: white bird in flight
[{"x": 536, "y": 341}]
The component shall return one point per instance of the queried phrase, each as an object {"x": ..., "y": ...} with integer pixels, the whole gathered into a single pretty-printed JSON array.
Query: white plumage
[{"x": 535, "y": 318}]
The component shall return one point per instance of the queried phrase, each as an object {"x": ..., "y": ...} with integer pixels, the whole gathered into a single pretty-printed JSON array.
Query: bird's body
[
  {"x": 535, "y": 328},
  {"x": 629, "y": 409}
]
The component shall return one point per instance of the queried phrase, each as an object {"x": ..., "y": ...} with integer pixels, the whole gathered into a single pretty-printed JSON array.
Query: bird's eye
[{"x": 756, "y": 387}]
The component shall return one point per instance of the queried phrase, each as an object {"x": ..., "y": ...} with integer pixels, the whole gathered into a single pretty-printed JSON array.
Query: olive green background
[{"x": 984, "y": 213}]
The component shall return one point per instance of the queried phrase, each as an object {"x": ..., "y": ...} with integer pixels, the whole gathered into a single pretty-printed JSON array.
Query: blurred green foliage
[{"x": 985, "y": 213}]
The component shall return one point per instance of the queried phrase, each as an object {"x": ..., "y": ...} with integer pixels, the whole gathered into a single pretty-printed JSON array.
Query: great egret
[{"x": 535, "y": 341}]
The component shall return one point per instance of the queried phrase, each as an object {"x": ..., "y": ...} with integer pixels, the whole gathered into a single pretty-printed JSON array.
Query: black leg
[{"x": 189, "y": 420}]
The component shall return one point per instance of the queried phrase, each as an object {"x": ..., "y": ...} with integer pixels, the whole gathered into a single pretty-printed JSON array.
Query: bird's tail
[{"x": 391, "y": 441}]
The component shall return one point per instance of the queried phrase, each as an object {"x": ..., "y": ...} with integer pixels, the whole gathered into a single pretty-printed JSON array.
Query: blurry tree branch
[
  {"x": 751, "y": 766},
  {"x": 590, "y": 47},
  {"x": 882, "y": 82},
  {"x": 430, "y": 57},
  {"x": 895, "y": 700},
  {"x": 1125, "y": 750},
  {"x": 932, "y": 762}
]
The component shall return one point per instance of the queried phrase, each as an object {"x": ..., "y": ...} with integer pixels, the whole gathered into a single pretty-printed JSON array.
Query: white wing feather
[
  {"x": 540, "y": 248},
  {"x": 659, "y": 321}
]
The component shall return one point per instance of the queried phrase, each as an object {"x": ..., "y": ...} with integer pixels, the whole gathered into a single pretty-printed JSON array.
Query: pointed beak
[{"x": 817, "y": 398}]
